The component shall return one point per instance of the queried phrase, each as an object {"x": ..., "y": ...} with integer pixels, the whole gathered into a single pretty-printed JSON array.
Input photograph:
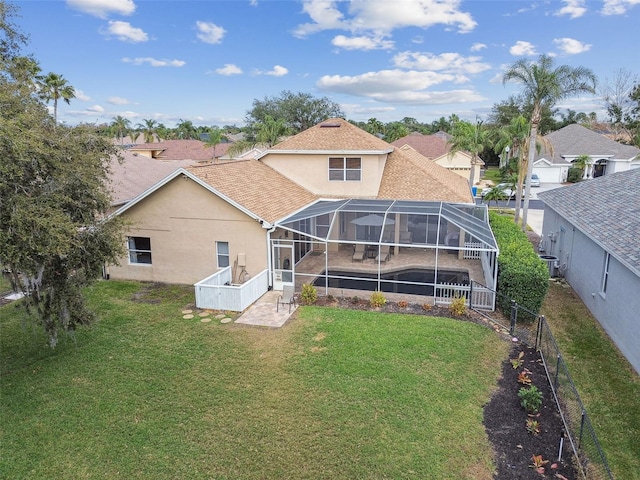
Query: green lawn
[
  {"x": 333, "y": 394},
  {"x": 607, "y": 384},
  {"x": 492, "y": 173}
]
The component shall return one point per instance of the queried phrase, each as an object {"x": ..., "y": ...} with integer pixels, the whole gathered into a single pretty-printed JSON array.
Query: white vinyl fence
[{"x": 217, "y": 293}]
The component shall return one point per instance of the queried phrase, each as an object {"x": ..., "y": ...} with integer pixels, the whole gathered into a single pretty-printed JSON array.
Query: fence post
[
  {"x": 581, "y": 429},
  {"x": 471, "y": 295},
  {"x": 555, "y": 380},
  {"x": 514, "y": 314},
  {"x": 539, "y": 332}
]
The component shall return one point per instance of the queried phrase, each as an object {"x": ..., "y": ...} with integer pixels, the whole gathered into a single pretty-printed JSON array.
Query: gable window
[
  {"x": 139, "y": 250},
  {"x": 222, "y": 252},
  {"x": 345, "y": 169},
  {"x": 605, "y": 273}
]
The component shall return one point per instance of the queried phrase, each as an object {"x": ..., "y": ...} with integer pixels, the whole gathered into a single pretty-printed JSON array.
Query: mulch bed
[{"x": 504, "y": 418}]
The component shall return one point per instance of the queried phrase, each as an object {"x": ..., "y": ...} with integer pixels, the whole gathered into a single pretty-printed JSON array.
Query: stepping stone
[
  {"x": 225, "y": 320},
  {"x": 220, "y": 316},
  {"x": 184, "y": 312},
  {"x": 203, "y": 314},
  {"x": 205, "y": 320},
  {"x": 187, "y": 316}
]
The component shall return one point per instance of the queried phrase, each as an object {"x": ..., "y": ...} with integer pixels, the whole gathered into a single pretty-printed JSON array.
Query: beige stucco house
[
  {"x": 437, "y": 149},
  {"x": 301, "y": 207}
]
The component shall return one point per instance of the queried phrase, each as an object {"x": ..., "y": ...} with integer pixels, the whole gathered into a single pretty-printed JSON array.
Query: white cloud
[
  {"x": 447, "y": 62},
  {"x": 154, "y": 62},
  {"x": 277, "y": 71},
  {"x": 80, "y": 95},
  {"x": 102, "y": 8},
  {"x": 95, "y": 109},
  {"x": 125, "y": 32},
  {"x": 397, "y": 86},
  {"x": 118, "y": 101},
  {"x": 523, "y": 49},
  {"x": 376, "y": 16},
  {"x": 476, "y": 47},
  {"x": 210, "y": 32},
  {"x": 618, "y": 7},
  {"x": 573, "y": 8},
  {"x": 571, "y": 46},
  {"x": 362, "y": 43},
  {"x": 229, "y": 69}
]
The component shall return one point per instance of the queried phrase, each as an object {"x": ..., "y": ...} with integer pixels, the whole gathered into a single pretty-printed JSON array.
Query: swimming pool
[{"x": 414, "y": 281}]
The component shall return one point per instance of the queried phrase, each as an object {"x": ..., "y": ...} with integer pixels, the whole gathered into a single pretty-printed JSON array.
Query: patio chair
[
  {"x": 406, "y": 237},
  {"x": 288, "y": 297},
  {"x": 383, "y": 256},
  {"x": 358, "y": 253}
]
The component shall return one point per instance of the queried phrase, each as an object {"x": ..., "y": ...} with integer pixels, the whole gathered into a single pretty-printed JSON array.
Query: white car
[
  {"x": 535, "y": 180},
  {"x": 505, "y": 187}
]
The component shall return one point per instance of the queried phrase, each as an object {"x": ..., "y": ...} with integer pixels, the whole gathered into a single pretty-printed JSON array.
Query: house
[
  {"x": 593, "y": 228},
  {"x": 296, "y": 213},
  {"x": 171, "y": 150},
  {"x": 437, "y": 148},
  {"x": 605, "y": 155}
]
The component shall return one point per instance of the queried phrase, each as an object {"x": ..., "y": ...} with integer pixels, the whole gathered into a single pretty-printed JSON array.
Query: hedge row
[{"x": 522, "y": 275}]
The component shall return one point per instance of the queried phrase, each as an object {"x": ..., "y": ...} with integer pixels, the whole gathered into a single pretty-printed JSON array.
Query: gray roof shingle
[{"x": 606, "y": 209}]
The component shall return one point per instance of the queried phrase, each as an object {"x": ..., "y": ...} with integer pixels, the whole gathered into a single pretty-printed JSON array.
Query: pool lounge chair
[
  {"x": 358, "y": 253},
  {"x": 383, "y": 256}
]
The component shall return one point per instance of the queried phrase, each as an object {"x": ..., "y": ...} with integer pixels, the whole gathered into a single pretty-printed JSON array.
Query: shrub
[
  {"x": 427, "y": 307},
  {"x": 458, "y": 306},
  {"x": 403, "y": 304},
  {"x": 377, "y": 299},
  {"x": 522, "y": 275},
  {"x": 530, "y": 398},
  {"x": 309, "y": 294},
  {"x": 574, "y": 175}
]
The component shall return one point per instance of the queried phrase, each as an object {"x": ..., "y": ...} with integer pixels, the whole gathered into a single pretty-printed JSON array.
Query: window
[
  {"x": 222, "y": 252},
  {"x": 139, "y": 250},
  {"x": 345, "y": 169},
  {"x": 605, "y": 273}
]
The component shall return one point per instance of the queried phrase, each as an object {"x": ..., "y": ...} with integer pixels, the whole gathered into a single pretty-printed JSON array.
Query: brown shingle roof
[
  {"x": 430, "y": 146},
  {"x": 184, "y": 150},
  {"x": 334, "y": 134},
  {"x": 136, "y": 173},
  {"x": 409, "y": 176},
  {"x": 256, "y": 187}
]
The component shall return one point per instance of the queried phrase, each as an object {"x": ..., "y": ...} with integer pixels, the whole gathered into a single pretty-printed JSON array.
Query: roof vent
[{"x": 330, "y": 125}]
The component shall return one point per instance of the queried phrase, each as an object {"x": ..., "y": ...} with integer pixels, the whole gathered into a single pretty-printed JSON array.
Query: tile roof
[
  {"x": 183, "y": 150},
  {"x": 410, "y": 176},
  {"x": 430, "y": 146},
  {"x": 255, "y": 186},
  {"x": 334, "y": 134},
  {"x": 577, "y": 140},
  {"x": 606, "y": 209},
  {"x": 136, "y": 173}
]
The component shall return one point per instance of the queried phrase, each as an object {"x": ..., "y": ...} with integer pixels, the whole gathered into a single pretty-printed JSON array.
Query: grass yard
[
  {"x": 333, "y": 394},
  {"x": 608, "y": 386}
]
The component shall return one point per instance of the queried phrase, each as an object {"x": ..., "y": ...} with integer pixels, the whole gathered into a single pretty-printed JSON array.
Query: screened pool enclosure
[{"x": 427, "y": 252}]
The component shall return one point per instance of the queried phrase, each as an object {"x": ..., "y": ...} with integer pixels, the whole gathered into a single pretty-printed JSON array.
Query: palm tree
[
  {"x": 470, "y": 137},
  {"x": 543, "y": 87},
  {"x": 185, "y": 130},
  {"x": 120, "y": 127},
  {"x": 582, "y": 162},
  {"x": 148, "y": 129},
  {"x": 215, "y": 137},
  {"x": 55, "y": 87}
]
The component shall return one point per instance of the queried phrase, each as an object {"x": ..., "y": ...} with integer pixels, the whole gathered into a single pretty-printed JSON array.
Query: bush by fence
[{"x": 522, "y": 276}]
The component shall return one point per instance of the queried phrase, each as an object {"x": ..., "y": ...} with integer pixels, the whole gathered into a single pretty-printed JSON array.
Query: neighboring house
[
  {"x": 593, "y": 227},
  {"x": 170, "y": 150},
  {"x": 300, "y": 209},
  {"x": 572, "y": 141},
  {"x": 436, "y": 148}
]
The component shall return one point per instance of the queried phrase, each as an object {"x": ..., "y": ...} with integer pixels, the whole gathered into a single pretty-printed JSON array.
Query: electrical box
[{"x": 242, "y": 259}]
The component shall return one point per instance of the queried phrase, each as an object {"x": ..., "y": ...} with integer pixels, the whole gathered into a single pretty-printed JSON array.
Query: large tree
[
  {"x": 54, "y": 236},
  {"x": 298, "y": 111},
  {"x": 216, "y": 136},
  {"x": 149, "y": 129},
  {"x": 543, "y": 86},
  {"x": 120, "y": 127},
  {"x": 55, "y": 87}
]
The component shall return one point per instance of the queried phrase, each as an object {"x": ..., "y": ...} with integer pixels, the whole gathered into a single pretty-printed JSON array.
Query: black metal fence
[{"x": 533, "y": 330}]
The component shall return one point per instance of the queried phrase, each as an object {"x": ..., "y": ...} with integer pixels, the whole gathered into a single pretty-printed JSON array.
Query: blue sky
[{"x": 206, "y": 61}]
